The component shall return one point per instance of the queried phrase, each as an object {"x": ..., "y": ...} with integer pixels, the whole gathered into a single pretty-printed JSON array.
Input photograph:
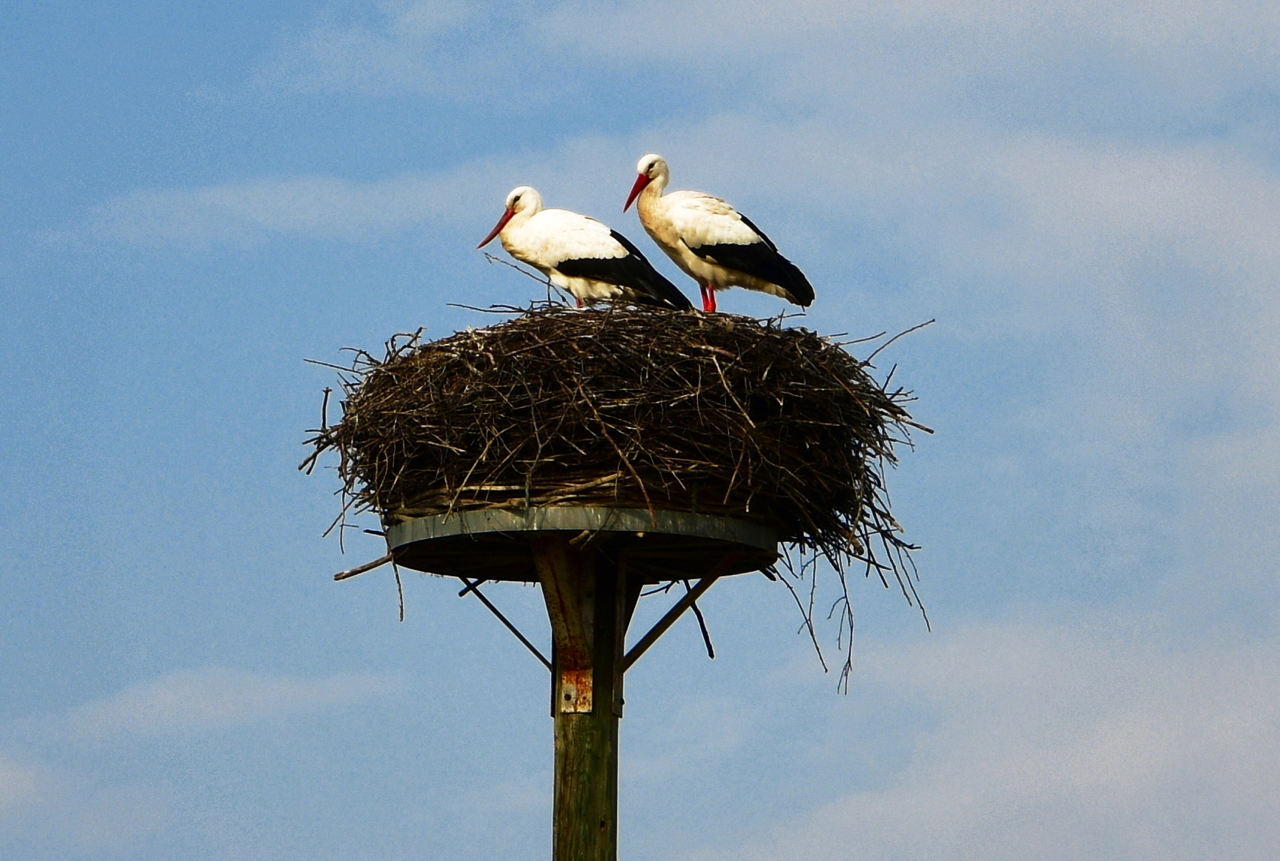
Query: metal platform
[{"x": 494, "y": 544}]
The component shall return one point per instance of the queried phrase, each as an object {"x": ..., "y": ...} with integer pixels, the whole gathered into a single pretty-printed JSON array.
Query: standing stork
[
  {"x": 581, "y": 255},
  {"x": 715, "y": 244}
]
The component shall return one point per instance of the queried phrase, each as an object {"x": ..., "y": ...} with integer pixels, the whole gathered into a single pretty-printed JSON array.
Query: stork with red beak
[
  {"x": 581, "y": 255},
  {"x": 711, "y": 241}
]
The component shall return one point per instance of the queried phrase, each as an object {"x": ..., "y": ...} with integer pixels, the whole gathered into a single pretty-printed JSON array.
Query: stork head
[
  {"x": 650, "y": 168},
  {"x": 522, "y": 199}
]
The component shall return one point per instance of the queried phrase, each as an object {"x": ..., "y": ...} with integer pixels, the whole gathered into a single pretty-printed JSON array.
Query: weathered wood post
[{"x": 588, "y": 604}]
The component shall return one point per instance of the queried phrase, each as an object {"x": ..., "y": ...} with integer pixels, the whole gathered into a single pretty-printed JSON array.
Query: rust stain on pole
[{"x": 575, "y": 690}]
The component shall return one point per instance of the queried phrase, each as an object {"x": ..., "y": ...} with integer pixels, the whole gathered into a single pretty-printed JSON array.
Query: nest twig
[{"x": 718, "y": 414}]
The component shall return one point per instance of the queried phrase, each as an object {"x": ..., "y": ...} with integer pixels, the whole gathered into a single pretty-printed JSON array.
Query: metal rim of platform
[{"x": 579, "y": 519}]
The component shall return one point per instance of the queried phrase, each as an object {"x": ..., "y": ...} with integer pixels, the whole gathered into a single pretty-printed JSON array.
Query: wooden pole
[{"x": 589, "y": 607}]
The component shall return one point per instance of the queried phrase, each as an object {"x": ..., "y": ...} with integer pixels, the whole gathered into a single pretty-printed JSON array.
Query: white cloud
[
  {"x": 240, "y": 213},
  {"x": 50, "y": 811},
  {"x": 693, "y": 736},
  {"x": 114, "y": 816},
  {"x": 1176, "y": 245},
  {"x": 1066, "y": 743},
  {"x": 214, "y": 698},
  {"x": 395, "y": 47},
  {"x": 20, "y": 785},
  {"x": 671, "y": 28},
  {"x": 809, "y": 50},
  {"x": 245, "y": 212},
  {"x": 324, "y": 207},
  {"x": 63, "y": 807}
]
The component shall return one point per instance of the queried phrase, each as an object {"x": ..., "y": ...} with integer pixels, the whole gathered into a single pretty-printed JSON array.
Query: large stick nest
[{"x": 719, "y": 414}]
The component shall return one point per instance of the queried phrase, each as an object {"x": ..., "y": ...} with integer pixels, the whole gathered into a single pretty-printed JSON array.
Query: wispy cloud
[
  {"x": 1067, "y": 743},
  {"x": 53, "y": 803},
  {"x": 214, "y": 698},
  {"x": 243, "y": 213},
  {"x": 392, "y": 47},
  {"x": 20, "y": 785},
  {"x": 322, "y": 207},
  {"x": 974, "y": 33},
  {"x": 51, "y": 811},
  {"x": 809, "y": 49}
]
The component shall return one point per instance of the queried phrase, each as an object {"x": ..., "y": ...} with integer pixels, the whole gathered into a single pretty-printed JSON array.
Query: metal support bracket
[
  {"x": 474, "y": 588},
  {"x": 676, "y": 612}
]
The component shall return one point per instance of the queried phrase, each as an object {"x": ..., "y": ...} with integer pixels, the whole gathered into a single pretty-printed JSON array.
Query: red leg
[{"x": 708, "y": 298}]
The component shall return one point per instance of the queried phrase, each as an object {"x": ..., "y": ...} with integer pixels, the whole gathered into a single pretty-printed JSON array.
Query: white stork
[
  {"x": 580, "y": 255},
  {"x": 714, "y": 243}
]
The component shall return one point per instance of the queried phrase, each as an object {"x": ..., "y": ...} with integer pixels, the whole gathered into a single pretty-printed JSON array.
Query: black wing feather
[
  {"x": 633, "y": 272},
  {"x": 761, "y": 260}
]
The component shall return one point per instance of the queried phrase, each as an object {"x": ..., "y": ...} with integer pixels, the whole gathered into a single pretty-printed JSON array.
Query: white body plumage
[{"x": 579, "y": 254}]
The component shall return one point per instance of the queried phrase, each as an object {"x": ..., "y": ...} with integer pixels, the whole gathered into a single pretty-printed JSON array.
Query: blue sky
[{"x": 199, "y": 197}]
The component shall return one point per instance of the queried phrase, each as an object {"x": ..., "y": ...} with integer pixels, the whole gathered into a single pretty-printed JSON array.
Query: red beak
[
  {"x": 502, "y": 222},
  {"x": 641, "y": 182}
]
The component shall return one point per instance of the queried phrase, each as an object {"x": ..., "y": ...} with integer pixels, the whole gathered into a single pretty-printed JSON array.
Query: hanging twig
[
  {"x": 702, "y": 623},
  {"x": 399, "y": 588},
  {"x": 361, "y": 569}
]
